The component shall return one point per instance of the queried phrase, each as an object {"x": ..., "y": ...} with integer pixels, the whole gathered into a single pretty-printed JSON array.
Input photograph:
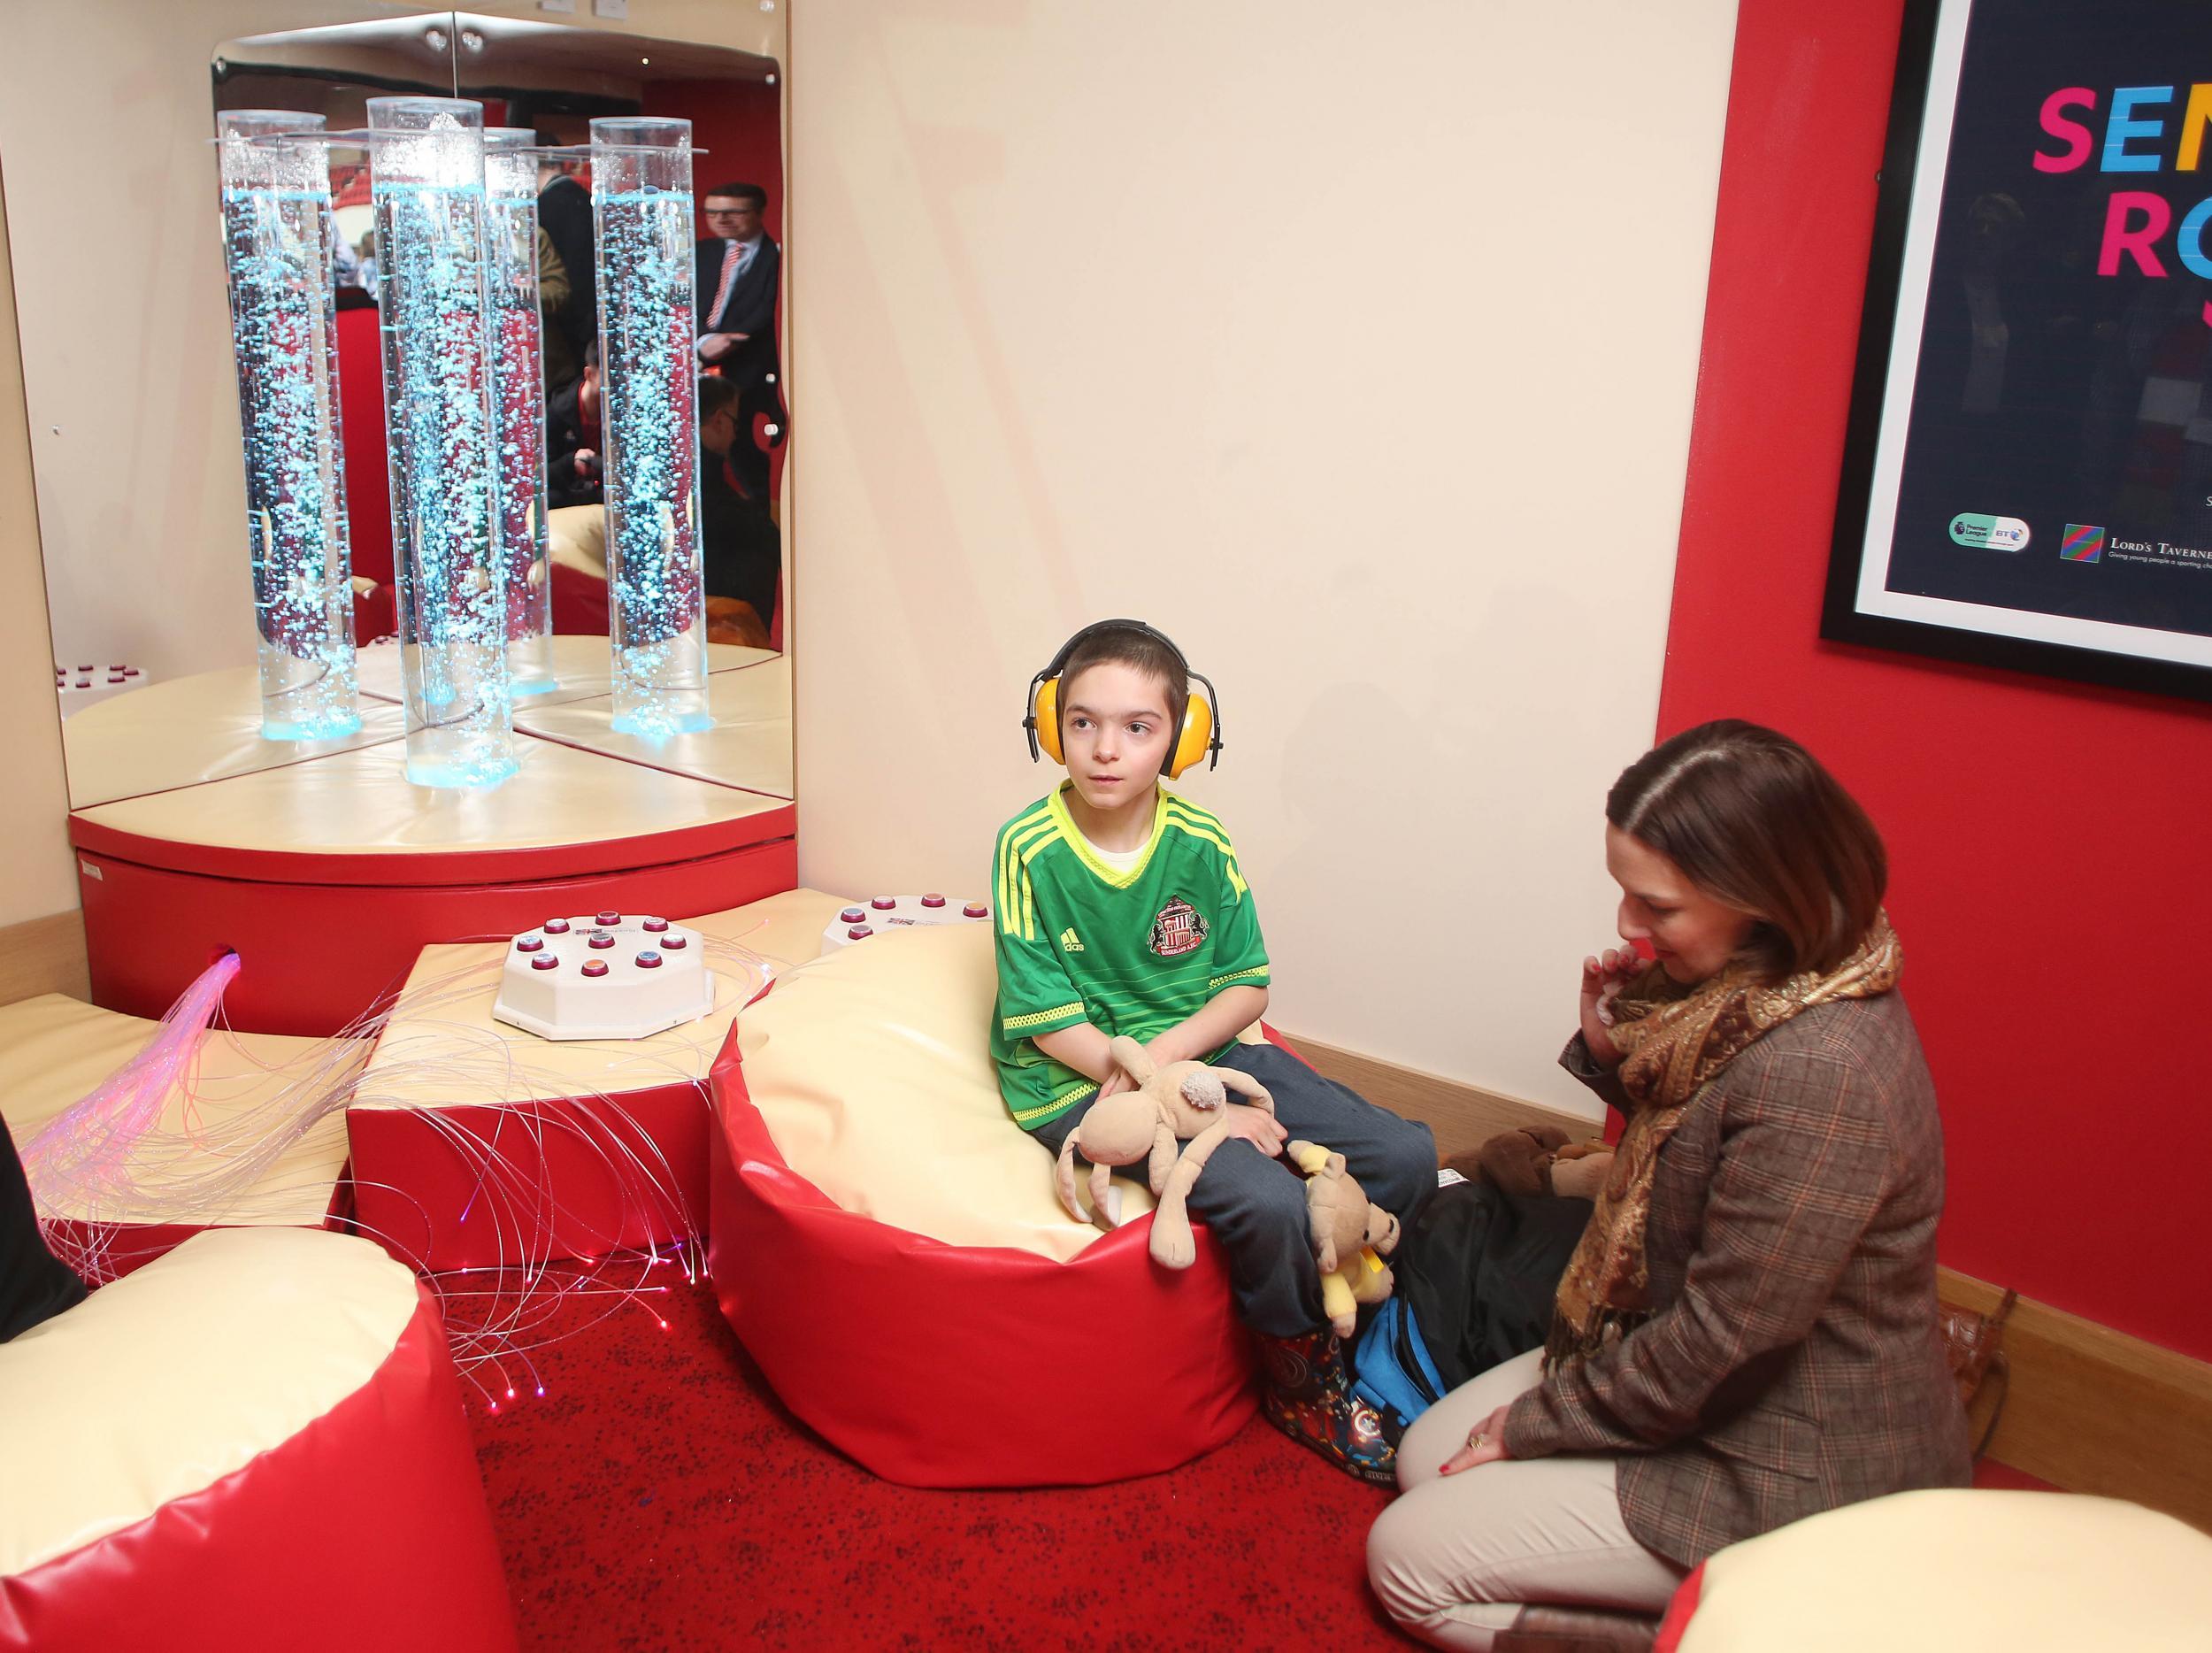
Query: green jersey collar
[{"x": 1112, "y": 876}]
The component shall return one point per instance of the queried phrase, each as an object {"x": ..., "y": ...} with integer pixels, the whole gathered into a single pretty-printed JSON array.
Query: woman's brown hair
[{"x": 1753, "y": 819}]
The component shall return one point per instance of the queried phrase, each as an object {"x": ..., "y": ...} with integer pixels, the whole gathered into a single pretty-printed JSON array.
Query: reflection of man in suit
[{"x": 740, "y": 271}]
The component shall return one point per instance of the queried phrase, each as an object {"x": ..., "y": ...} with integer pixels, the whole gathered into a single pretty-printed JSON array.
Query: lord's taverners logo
[{"x": 2083, "y": 543}]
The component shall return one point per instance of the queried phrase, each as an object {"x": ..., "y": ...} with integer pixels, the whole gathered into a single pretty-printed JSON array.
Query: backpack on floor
[
  {"x": 1391, "y": 1368},
  {"x": 1475, "y": 1275}
]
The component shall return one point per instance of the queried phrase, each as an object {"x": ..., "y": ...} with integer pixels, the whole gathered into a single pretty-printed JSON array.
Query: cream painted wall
[
  {"x": 1353, "y": 346},
  {"x": 105, "y": 111},
  {"x": 35, "y": 876}
]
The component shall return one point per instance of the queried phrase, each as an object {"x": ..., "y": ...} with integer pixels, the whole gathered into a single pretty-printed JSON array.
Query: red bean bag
[{"x": 886, "y": 1244}]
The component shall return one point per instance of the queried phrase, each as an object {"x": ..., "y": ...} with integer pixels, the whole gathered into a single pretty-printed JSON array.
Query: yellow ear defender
[{"x": 1199, "y": 737}]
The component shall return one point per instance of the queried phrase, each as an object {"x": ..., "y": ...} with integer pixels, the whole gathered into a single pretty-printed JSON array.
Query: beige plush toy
[
  {"x": 1351, "y": 1235},
  {"x": 1179, "y": 1102}
]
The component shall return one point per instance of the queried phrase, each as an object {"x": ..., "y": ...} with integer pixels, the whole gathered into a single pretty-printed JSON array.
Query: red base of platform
[
  {"x": 318, "y": 956},
  {"x": 534, "y": 1182}
]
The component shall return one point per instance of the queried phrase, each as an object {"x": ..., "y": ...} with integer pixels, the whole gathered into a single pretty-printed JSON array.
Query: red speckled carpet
[{"x": 659, "y": 1496}]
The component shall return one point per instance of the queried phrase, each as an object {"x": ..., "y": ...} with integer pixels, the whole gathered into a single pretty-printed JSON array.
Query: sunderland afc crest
[{"x": 1177, "y": 929}]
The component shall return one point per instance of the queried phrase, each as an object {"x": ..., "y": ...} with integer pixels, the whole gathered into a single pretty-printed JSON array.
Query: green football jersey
[{"x": 1130, "y": 952}]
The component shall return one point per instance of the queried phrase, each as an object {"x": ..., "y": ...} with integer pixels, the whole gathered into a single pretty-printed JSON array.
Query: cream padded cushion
[
  {"x": 159, "y": 1384},
  {"x": 872, "y": 1068},
  {"x": 1947, "y": 1571}
]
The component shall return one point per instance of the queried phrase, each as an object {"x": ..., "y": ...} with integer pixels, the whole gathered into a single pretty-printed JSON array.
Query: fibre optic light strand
[{"x": 160, "y": 1144}]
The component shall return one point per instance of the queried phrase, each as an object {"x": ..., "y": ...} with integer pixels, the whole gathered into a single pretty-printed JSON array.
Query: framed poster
[{"x": 2027, "y": 478}]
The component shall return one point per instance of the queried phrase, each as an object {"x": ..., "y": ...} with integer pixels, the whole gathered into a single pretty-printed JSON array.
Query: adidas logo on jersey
[{"x": 1070, "y": 942}]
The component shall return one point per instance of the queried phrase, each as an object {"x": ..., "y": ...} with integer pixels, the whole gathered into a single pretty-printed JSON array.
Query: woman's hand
[
  {"x": 1601, "y": 977},
  {"x": 1485, "y": 1444}
]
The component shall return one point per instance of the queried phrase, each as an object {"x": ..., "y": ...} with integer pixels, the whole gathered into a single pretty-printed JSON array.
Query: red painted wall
[
  {"x": 2049, "y": 843},
  {"x": 740, "y": 123}
]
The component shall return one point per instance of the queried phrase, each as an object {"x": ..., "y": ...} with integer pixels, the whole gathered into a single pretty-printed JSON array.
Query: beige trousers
[{"x": 1455, "y": 1558}]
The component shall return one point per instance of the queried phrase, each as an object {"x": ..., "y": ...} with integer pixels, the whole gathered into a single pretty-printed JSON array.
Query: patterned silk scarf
[{"x": 1673, "y": 1041}]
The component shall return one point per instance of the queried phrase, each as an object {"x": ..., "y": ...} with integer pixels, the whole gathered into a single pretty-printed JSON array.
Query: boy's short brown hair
[
  {"x": 1753, "y": 819},
  {"x": 1136, "y": 646}
]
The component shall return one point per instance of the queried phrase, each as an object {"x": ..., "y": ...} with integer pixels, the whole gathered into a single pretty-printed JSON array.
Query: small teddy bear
[
  {"x": 1181, "y": 1100},
  {"x": 1351, "y": 1235}
]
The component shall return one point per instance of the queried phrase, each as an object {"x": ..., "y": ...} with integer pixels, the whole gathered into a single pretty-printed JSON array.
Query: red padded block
[
  {"x": 941, "y": 1366},
  {"x": 367, "y": 1529},
  {"x": 533, "y": 1181}
]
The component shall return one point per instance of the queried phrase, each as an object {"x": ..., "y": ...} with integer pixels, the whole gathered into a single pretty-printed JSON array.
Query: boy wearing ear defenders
[{"x": 1121, "y": 911}]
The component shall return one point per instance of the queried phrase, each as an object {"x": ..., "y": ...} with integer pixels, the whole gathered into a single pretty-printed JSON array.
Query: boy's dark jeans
[{"x": 1256, "y": 1206}]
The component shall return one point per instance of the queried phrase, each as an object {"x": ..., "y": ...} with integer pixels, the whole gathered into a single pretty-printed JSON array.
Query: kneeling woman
[{"x": 1746, "y": 1333}]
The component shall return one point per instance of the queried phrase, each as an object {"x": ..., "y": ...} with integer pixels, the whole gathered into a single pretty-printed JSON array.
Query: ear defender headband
[{"x": 1199, "y": 737}]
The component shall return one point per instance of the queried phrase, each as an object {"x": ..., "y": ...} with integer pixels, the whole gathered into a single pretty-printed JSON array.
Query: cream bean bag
[
  {"x": 887, "y": 1242},
  {"x": 255, "y": 1442},
  {"x": 1943, "y": 1572}
]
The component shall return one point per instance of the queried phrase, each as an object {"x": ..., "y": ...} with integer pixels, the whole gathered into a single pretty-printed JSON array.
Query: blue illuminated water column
[
  {"x": 426, "y": 170},
  {"x": 511, "y": 188},
  {"x": 277, "y": 231},
  {"x": 641, "y": 195}
]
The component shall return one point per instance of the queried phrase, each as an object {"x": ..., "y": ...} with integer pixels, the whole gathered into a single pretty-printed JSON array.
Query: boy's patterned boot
[{"x": 1307, "y": 1395}]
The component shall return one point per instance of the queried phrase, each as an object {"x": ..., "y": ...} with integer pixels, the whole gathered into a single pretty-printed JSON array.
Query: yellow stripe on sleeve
[{"x": 1035, "y": 1018}]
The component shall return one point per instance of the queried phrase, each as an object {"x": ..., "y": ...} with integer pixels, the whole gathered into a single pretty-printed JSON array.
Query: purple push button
[
  {"x": 857, "y": 931},
  {"x": 603, "y": 942},
  {"x": 975, "y": 910},
  {"x": 673, "y": 943},
  {"x": 555, "y": 926},
  {"x": 884, "y": 904},
  {"x": 649, "y": 960},
  {"x": 529, "y": 944},
  {"x": 546, "y": 961},
  {"x": 932, "y": 900},
  {"x": 611, "y": 919},
  {"x": 653, "y": 926},
  {"x": 594, "y": 967},
  {"x": 853, "y": 915}
]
